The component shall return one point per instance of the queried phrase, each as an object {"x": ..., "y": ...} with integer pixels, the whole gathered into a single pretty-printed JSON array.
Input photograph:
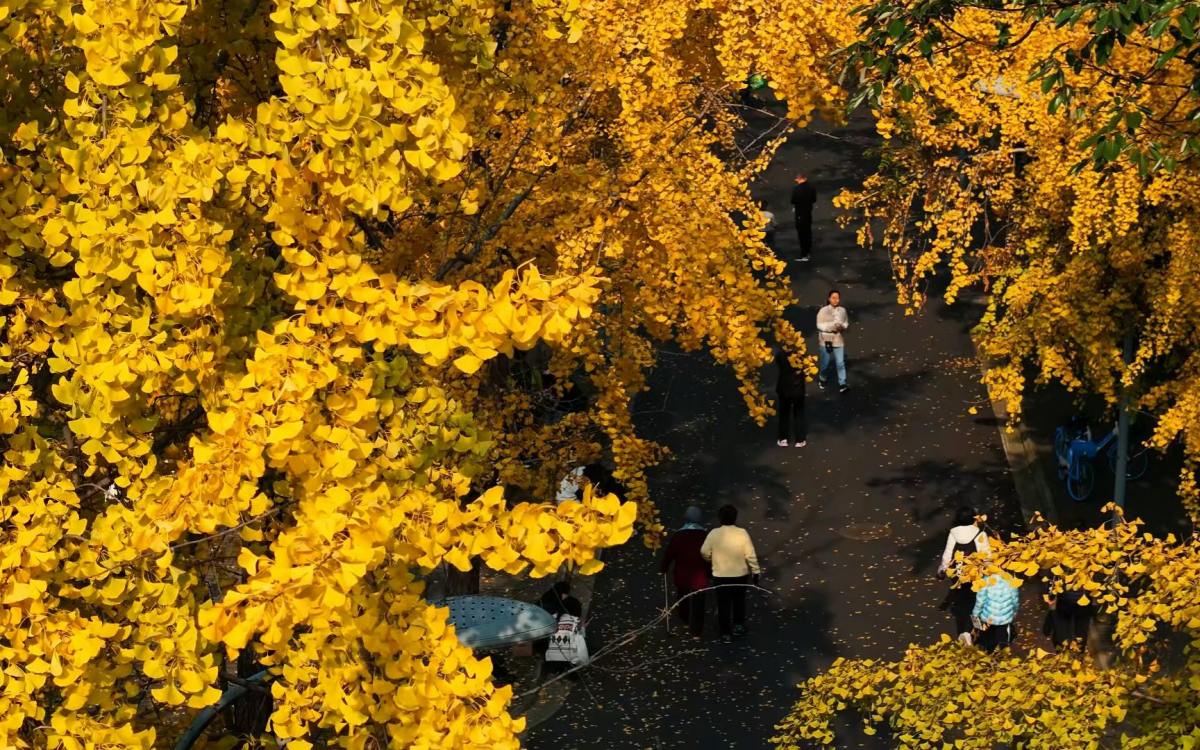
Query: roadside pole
[{"x": 1121, "y": 469}]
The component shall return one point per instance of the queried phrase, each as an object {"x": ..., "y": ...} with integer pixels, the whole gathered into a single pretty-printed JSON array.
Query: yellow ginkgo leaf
[{"x": 111, "y": 75}]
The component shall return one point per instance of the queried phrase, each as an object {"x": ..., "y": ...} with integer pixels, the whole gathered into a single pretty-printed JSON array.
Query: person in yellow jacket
[{"x": 734, "y": 564}]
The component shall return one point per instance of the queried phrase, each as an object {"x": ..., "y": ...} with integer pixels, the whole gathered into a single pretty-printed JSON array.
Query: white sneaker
[
  {"x": 802, "y": 443},
  {"x": 781, "y": 443}
]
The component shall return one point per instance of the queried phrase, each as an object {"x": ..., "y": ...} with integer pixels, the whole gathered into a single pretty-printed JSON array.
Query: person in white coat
[
  {"x": 966, "y": 537},
  {"x": 832, "y": 323}
]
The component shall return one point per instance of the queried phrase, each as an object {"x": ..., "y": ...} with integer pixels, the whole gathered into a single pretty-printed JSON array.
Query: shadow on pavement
[{"x": 847, "y": 528}]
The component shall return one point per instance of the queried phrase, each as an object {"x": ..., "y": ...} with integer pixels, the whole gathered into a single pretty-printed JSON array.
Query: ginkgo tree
[
  {"x": 271, "y": 271},
  {"x": 997, "y": 174},
  {"x": 1025, "y": 185},
  {"x": 948, "y": 694}
]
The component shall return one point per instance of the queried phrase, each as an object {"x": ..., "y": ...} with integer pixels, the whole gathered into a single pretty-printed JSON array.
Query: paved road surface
[{"x": 849, "y": 528}]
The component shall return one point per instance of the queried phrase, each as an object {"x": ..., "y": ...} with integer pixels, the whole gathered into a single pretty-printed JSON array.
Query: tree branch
[
  {"x": 231, "y": 529},
  {"x": 634, "y": 634}
]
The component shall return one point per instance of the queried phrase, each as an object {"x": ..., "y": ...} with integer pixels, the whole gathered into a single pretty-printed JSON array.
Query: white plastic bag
[{"x": 568, "y": 643}]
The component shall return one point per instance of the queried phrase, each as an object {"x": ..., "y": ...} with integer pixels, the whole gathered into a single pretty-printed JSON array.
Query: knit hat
[{"x": 693, "y": 515}]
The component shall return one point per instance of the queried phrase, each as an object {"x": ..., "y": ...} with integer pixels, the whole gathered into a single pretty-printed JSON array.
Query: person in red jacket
[{"x": 690, "y": 569}]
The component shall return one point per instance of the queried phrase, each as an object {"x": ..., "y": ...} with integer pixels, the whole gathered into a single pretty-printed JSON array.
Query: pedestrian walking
[
  {"x": 995, "y": 609},
  {"x": 803, "y": 199},
  {"x": 832, "y": 323},
  {"x": 556, "y": 601},
  {"x": 734, "y": 564},
  {"x": 568, "y": 646},
  {"x": 965, "y": 537},
  {"x": 571, "y": 486},
  {"x": 689, "y": 570},
  {"x": 749, "y": 94},
  {"x": 789, "y": 392},
  {"x": 1068, "y": 620},
  {"x": 768, "y": 219},
  {"x": 1070, "y": 615}
]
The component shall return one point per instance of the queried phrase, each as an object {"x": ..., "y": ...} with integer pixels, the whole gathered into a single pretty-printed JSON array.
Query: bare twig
[
  {"x": 781, "y": 125},
  {"x": 231, "y": 529},
  {"x": 464, "y": 257},
  {"x": 651, "y": 662}
]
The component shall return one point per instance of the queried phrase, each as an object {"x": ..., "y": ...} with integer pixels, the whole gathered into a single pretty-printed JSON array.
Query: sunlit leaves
[
  {"x": 280, "y": 286},
  {"x": 947, "y": 693},
  {"x": 950, "y": 695},
  {"x": 1026, "y": 161},
  {"x": 1078, "y": 248}
]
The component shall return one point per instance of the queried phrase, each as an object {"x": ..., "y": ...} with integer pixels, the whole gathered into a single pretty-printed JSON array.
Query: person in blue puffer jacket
[{"x": 995, "y": 609}]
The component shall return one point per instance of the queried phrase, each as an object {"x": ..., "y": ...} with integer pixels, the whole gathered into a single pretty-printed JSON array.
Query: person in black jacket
[
  {"x": 555, "y": 598},
  {"x": 1068, "y": 620},
  {"x": 557, "y": 601},
  {"x": 789, "y": 389},
  {"x": 803, "y": 198}
]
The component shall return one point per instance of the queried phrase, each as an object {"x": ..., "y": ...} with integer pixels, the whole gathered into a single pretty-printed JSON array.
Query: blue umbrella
[{"x": 493, "y": 621}]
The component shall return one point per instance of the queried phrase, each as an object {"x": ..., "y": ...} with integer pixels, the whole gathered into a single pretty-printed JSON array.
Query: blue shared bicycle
[{"x": 1075, "y": 451}]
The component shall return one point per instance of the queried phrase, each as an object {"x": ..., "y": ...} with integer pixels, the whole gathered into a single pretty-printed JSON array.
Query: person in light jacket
[
  {"x": 832, "y": 322},
  {"x": 995, "y": 609},
  {"x": 768, "y": 228},
  {"x": 734, "y": 564}
]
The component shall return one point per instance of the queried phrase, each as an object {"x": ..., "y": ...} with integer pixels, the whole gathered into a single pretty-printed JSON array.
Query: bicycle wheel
[
  {"x": 1081, "y": 478},
  {"x": 1135, "y": 467}
]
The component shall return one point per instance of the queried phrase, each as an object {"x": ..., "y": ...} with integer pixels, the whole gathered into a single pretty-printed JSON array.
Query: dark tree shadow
[
  {"x": 653, "y": 686},
  {"x": 936, "y": 489}
]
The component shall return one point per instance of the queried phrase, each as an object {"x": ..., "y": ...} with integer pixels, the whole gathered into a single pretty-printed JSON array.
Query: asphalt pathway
[{"x": 849, "y": 529}]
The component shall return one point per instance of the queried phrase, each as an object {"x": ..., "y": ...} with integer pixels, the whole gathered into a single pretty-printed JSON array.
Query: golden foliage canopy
[
  {"x": 982, "y": 178},
  {"x": 950, "y": 694},
  {"x": 980, "y": 182},
  {"x": 273, "y": 277}
]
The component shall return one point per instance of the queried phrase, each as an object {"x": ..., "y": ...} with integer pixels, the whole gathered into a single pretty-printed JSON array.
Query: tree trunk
[
  {"x": 459, "y": 583},
  {"x": 247, "y": 717},
  {"x": 1100, "y": 634},
  {"x": 1121, "y": 470},
  {"x": 1099, "y": 640}
]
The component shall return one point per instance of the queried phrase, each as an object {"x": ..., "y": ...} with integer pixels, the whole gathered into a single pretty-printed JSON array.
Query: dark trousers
[
  {"x": 690, "y": 610},
  {"x": 791, "y": 417},
  {"x": 804, "y": 234},
  {"x": 962, "y": 601},
  {"x": 1067, "y": 621},
  {"x": 731, "y": 603},
  {"x": 995, "y": 636}
]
